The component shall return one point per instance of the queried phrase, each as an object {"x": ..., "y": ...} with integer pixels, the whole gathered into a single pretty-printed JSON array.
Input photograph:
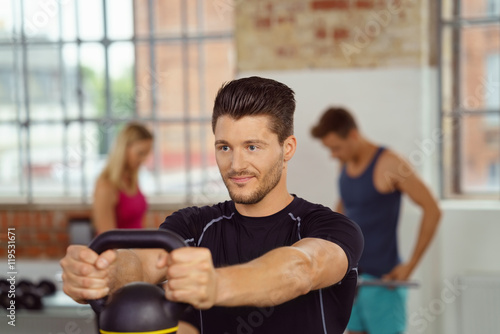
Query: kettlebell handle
[
  {"x": 136, "y": 238},
  {"x": 133, "y": 238}
]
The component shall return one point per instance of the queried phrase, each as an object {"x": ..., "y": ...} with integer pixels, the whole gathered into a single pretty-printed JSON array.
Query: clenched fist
[
  {"x": 191, "y": 277},
  {"x": 85, "y": 273}
]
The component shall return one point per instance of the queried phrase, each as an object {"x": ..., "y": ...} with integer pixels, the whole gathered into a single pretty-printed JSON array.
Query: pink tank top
[{"x": 130, "y": 210}]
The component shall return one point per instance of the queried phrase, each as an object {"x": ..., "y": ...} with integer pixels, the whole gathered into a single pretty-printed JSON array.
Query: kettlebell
[{"x": 137, "y": 307}]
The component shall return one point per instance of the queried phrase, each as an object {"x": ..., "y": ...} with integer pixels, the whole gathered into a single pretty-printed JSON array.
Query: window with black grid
[
  {"x": 469, "y": 76},
  {"x": 73, "y": 72}
]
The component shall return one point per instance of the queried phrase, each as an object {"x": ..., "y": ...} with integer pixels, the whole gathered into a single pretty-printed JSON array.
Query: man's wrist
[
  {"x": 412, "y": 264},
  {"x": 222, "y": 286}
]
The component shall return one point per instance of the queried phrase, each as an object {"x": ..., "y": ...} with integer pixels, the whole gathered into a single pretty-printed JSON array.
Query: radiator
[{"x": 479, "y": 304}]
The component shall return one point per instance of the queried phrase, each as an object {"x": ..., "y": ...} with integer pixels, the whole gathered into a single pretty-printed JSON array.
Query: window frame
[
  {"x": 451, "y": 186},
  {"x": 20, "y": 43}
]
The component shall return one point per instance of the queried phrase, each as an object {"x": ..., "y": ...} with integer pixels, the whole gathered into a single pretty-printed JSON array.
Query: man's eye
[
  {"x": 252, "y": 147},
  {"x": 224, "y": 148}
]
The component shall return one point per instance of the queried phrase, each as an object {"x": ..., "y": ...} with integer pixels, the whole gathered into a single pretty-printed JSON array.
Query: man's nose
[{"x": 239, "y": 161}]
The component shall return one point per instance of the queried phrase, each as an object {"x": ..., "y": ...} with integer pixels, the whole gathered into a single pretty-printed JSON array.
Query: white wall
[{"x": 396, "y": 108}]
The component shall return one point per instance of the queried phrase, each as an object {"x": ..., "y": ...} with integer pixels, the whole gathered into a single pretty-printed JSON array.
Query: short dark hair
[
  {"x": 255, "y": 96},
  {"x": 335, "y": 119}
]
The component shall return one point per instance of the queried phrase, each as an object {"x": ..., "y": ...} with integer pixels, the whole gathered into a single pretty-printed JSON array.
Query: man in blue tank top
[{"x": 371, "y": 183}]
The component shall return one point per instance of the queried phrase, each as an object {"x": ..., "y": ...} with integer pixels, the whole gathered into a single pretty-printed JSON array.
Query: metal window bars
[{"x": 21, "y": 45}]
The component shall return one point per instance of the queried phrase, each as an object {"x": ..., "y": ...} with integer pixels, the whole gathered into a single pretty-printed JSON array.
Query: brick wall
[
  {"x": 277, "y": 34},
  {"x": 43, "y": 233}
]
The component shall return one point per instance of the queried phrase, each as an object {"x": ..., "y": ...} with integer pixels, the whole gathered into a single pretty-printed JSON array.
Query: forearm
[
  {"x": 187, "y": 328},
  {"x": 271, "y": 279},
  {"x": 278, "y": 276},
  {"x": 428, "y": 226},
  {"x": 127, "y": 268}
]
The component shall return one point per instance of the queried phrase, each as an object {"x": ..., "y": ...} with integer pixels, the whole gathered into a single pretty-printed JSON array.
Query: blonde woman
[{"x": 118, "y": 201}]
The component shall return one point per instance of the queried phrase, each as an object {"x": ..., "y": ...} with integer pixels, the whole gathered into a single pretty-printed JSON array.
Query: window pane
[
  {"x": 119, "y": 26},
  {"x": 93, "y": 79},
  {"x": 164, "y": 80},
  {"x": 166, "y": 21},
  {"x": 481, "y": 154},
  {"x": 10, "y": 168},
  {"x": 219, "y": 68},
  {"x": 46, "y": 146},
  {"x": 94, "y": 137},
  {"x": 492, "y": 84},
  {"x": 72, "y": 162},
  {"x": 8, "y": 111},
  {"x": 6, "y": 20},
  {"x": 168, "y": 18},
  {"x": 41, "y": 20},
  {"x": 77, "y": 158},
  {"x": 218, "y": 15},
  {"x": 90, "y": 19},
  {"x": 7, "y": 85},
  {"x": 145, "y": 80},
  {"x": 68, "y": 21},
  {"x": 44, "y": 82},
  {"x": 211, "y": 63},
  {"x": 194, "y": 75},
  {"x": 121, "y": 70},
  {"x": 193, "y": 17},
  {"x": 479, "y": 66},
  {"x": 172, "y": 160},
  {"x": 141, "y": 18},
  {"x": 169, "y": 76},
  {"x": 480, "y": 8},
  {"x": 70, "y": 85}
]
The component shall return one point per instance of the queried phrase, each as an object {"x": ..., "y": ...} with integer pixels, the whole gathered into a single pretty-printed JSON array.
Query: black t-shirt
[{"x": 233, "y": 239}]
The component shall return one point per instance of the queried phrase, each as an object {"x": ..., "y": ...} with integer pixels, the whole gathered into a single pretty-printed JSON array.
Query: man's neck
[
  {"x": 269, "y": 205},
  {"x": 364, "y": 152}
]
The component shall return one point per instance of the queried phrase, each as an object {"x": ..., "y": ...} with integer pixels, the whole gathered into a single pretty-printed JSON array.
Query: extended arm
[
  {"x": 278, "y": 276},
  {"x": 418, "y": 192},
  {"x": 282, "y": 274}
]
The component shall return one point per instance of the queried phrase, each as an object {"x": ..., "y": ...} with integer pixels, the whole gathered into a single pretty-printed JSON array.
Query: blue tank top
[{"x": 377, "y": 214}]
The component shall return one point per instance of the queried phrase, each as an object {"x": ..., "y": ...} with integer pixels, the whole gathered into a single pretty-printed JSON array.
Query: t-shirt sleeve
[
  {"x": 184, "y": 223},
  {"x": 337, "y": 228}
]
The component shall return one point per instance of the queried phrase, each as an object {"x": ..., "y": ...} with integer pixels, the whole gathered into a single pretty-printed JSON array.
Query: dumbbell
[
  {"x": 30, "y": 295},
  {"x": 4, "y": 293}
]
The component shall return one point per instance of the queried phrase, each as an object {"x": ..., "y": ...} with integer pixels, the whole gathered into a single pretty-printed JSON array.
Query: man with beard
[{"x": 265, "y": 262}]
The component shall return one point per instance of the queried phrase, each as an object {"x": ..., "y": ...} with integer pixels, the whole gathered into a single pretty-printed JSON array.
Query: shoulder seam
[{"x": 210, "y": 223}]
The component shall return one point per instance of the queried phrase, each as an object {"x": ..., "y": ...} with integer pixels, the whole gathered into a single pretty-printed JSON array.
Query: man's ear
[{"x": 289, "y": 147}]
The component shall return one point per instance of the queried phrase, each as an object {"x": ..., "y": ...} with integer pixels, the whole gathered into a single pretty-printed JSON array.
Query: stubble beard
[{"x": 268, "y": 183}]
